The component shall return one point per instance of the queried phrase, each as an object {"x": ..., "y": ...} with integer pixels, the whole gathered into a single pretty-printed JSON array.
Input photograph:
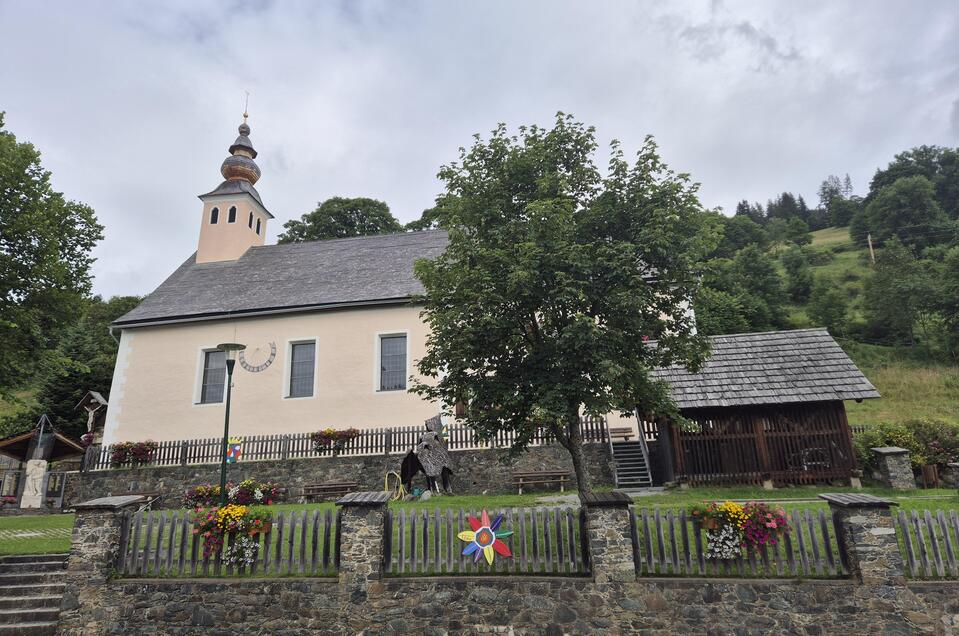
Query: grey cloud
[{"x": 134, "y": 104}]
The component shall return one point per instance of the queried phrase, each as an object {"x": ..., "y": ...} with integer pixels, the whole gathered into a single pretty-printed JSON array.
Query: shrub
[
  {"x": 136, "y": 453},
  {"x": 928, "y": 441}
]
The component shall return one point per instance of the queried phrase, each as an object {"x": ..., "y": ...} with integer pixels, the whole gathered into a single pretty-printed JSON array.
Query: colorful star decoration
[{"x": 484, "y": 539}]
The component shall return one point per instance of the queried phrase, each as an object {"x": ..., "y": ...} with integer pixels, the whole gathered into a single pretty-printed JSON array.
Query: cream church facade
[{"x": 330, "y": 330}]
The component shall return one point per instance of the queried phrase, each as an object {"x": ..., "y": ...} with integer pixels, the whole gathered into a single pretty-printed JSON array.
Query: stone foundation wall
[
  {"x": 475, "y": 472},
  {"x": 521, "y": 606}
]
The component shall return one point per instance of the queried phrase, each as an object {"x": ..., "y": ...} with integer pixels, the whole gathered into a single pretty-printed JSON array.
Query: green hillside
[{"x": 910, "y": 385}]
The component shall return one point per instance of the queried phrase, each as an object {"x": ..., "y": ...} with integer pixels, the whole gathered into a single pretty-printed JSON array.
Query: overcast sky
[{"x": 134, "y": 104}]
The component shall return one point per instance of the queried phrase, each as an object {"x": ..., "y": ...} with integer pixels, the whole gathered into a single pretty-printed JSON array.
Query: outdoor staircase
[
  {"x": 632, "y": 467},
  {"x": 31, "y": 588}
]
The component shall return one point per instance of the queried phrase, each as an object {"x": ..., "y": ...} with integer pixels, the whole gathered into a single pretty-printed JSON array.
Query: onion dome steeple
[{"x": 240, "y": 165}]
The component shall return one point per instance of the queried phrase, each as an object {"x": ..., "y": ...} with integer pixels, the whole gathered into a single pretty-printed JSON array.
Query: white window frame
[
  {"x": 198, "y": 383},
  {"x": 377, "y": 342},
  {"x": 288, "y": 367}
]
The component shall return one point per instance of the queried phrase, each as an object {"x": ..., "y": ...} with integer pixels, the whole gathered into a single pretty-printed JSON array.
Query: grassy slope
[{"x": 910, "y": 386}]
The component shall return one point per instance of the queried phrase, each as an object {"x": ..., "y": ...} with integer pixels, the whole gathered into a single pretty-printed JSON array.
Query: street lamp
[{"x": 230, "y": 349}]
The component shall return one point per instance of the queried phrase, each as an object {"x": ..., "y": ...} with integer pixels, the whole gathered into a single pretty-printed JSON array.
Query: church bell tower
[{"x": 234, "y": 217}]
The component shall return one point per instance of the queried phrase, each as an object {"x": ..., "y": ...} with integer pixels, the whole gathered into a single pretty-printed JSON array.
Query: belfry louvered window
[{"x": 393, "y": 363}]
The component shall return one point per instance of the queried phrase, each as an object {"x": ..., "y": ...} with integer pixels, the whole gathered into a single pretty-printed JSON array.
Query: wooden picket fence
[
  {"x": 162, "y": 544},
  {"x": 929, "y": 543},
  {"x": 545, "y": 541},
  {"x": 374, "y": 441},
  {"x": 669, "y": 543}
]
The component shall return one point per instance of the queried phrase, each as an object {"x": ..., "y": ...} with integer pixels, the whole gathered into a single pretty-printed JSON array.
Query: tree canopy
[
  {"x": 554, "y": 280},
  {"x": 83, "y": 361},
  {"x": 340, "y": 217},
  {"x": 45, "y": 245},
  {"x": 907, "y": 209}
]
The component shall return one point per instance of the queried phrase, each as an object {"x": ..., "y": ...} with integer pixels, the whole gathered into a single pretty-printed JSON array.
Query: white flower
[{"x": 258, "y": 494}]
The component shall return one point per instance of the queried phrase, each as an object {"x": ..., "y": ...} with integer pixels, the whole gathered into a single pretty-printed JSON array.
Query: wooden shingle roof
[{"x": 776, "y": 367}]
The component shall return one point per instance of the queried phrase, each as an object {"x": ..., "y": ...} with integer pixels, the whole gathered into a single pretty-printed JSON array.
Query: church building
[{"x": 330, "y": 331}]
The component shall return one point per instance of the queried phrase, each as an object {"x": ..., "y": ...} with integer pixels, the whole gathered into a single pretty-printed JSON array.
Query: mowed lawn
[{"x": 44, "y": 534}]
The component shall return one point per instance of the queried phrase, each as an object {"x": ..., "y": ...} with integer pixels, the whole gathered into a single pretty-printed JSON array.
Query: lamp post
[{"x": 230, "y": 349}]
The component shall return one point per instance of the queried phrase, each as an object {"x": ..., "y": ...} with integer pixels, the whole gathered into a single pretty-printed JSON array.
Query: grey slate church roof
[
  {"x": 292, "y": 277},
  {"x": 777, "y": 367}
]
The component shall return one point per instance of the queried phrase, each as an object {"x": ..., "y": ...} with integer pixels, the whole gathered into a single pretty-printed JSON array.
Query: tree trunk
[{"x": 574, "y": 444}]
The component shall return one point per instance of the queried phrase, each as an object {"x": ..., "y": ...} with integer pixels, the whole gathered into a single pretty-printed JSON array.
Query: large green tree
[
  {"x": 738, "y": 232},
  {"x": 555, "y": 278},
  {"x": 83, "y": 361},
  {"x": 937, "y": 164},
  {"x": 907, "y": 209},
  {"x": 45, "y": 245},
  {"x": 340, "y": 217},
  {"x": 828, "y": 307},
  {"x": 799, "y": 279},
  {"x": 899, "y": 296}
]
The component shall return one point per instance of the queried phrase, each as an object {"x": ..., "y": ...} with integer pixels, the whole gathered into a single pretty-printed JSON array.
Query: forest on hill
[{"x": 880, "y": 271}]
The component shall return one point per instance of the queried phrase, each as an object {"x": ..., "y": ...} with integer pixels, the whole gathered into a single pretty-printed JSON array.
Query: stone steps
[
  {"x": 31, "y": 568},
  {"x": 33, "y": 628},
  {"x": 34, "y": 558},
  {"x": 39, "y": 600},
  {"x": 30, "y": 614},
  {"x": 31, "y": 590}
]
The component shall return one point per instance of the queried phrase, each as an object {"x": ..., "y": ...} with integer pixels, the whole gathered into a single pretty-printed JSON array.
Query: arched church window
[
  {"x": 214, "y": 216},
  {"x": 232, "y": 217},
  {"x": 258, "y": 226},
  {"x": 250, "y": 222}
]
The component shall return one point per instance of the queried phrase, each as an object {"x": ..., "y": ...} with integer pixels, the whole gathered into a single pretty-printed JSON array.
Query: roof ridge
[
  {"x": 774, "y": 331},
  {"x": 344, "y": 239}
]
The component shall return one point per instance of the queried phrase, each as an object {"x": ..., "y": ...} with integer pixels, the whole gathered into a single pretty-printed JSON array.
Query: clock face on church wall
[{"x": 259, "y": 358}]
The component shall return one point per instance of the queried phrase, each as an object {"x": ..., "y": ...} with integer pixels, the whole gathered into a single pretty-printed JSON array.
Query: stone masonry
[
  {"x": 609, "y": 522},
  {"x": 612, "y": 601},
  {"x": 867, "y": 537},
  {"x": 475, "y": 472},
  {"x": 94, "y": 546},
  {"x": 895, "y": 468}
]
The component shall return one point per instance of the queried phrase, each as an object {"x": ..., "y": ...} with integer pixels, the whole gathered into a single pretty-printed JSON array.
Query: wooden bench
[
  {"x": 329, "y": 490},
  {"x": 624, "y": 433},
  {"x": 541, "y": 478}
]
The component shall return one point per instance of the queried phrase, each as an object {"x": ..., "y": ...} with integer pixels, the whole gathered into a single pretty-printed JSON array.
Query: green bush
[{"x": 929, "y": 441}]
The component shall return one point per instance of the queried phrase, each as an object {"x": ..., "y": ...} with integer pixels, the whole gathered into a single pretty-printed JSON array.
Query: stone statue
[{"x": 33, "y": 494}]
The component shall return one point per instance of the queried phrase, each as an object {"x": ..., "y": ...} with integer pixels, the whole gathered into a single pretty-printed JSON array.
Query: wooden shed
[{"x": 770, "y": 406}]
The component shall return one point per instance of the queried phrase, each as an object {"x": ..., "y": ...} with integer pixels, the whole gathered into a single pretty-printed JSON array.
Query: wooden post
[
  {"x": 184, "y": 451},
  {"x": 388, "y": 442},
  {"x": 285, "y": 453},
  {"x": 762, "y": 450},
  {"x": 666, "y": 449}
]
